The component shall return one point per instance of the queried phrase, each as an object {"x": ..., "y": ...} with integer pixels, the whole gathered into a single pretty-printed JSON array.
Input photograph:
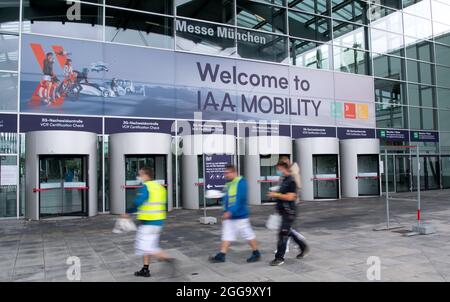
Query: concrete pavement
[{"x": 340, "y": 234}]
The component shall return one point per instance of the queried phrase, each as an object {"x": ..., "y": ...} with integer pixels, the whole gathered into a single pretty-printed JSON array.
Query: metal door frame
[{"x": 85, "y": 202}]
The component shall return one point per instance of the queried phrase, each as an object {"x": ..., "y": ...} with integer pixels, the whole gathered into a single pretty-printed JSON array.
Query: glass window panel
[
  {"x": 391, "y": 3},
  {"x": 442, "y": 55},
  {"x": 262, "y": 46},
  {"x": 391, "y": 116},
  {"x": 310, "y": 54},
  {"x": 154, "y": 6},
  {"x": 8, "y": 191},
  {"x": 276, "y": 2},
  {"x": 386, "y": 42},
  {"x": 420, "y": 8},
  {"x": 422, "y": 118},
  {"x": 417, "y": 27},
  {"x": 386, "y": 19},
  {"x": 8, "y": 88},
  {"x": 444, "y": 120},
  {"x": 420, "y": 72},
  {"x": 260, "y": 16},
  {"x": 309, "y": 26},
  {"x": 442, "y": 76},
  {"x": 8, "y": 142},
  {"x": 388, "y": 67},
  {"x": 50, "y": 17},
  {"x": 354, "y": 11},
  {"x": 444, "y": 140},
  {"x": 220, "y": 11},
  {"x": 194, "y": 36},
  {"x": 441, "y": 33},
  {"x": 350, "y": 60},
  {"x": 440, "y": 11},
  {"x": 349, "y": 34},
  {"x": 9, "y": 52},
  {"x": 390, "y": 91},
  {"x": 321, "y": 7},
  {"x": 422, "y": 51},
  {"x": 138, "y": 28},
  {"x": 9, "y": 16},
  {"x": 443, "y": 96},
  {"x": 421, "y": 95}
]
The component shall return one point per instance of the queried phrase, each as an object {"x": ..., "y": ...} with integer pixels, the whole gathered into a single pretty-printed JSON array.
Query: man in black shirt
[{"x": 286, "y": 206}]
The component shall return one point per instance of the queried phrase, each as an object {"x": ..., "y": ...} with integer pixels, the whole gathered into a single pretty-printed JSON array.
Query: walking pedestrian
[
  {"x": 235, "y": 218},
  {"x": 286, "y": 206},
  {"x": 151, "y": 205}
]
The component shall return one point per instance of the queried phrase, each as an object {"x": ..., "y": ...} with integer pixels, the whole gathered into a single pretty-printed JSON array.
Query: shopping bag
[
  {"x": 124, "y": 225},
  {"x": 273, "y": 222}
]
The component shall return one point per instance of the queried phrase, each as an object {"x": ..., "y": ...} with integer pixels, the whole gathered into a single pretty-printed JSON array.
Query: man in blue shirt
[{"x": 235, "y": 217}]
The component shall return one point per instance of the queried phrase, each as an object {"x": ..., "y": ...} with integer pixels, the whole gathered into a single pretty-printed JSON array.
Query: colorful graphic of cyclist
[{"x": 47, "y": 90}]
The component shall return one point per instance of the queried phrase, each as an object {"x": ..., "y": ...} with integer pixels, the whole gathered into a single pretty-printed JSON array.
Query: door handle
[{"x": 35, "y": 190}]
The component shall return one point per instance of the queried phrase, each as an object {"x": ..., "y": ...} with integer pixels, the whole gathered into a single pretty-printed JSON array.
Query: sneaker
[
  {"x": 144, "y": 272},
  {"x": 218, "y": 258},
  {"x": 304, "y": 253},
  {"x": 254, "y": 257},
  {"x": 276, "y": 262}
]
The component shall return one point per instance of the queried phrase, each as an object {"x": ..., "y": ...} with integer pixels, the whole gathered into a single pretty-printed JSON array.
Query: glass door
[
  {"x": 368, "y": 175},
  {"x": 268, "y": 174},
  {"x": 429, "y": 172},
  {"x": 132, "y": 165},
  {"x": 326, "y": 176},
  {"x": 445, "y": 171},
  {"x": 402, "y": 173},
  {"x": 62, "y": 185}
]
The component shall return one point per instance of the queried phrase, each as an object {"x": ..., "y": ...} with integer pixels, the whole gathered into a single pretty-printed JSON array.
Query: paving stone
[{"x": 340, "y": 234}]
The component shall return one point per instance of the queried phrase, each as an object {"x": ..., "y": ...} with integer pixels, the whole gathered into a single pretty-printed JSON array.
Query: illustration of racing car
[{"x": 99, "y": 66}]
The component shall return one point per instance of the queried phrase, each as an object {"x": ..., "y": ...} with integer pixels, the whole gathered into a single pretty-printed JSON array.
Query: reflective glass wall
[{"x": 403, "y": 44}]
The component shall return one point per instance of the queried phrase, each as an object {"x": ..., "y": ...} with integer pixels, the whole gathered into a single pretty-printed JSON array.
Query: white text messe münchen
[{"x": 219, "y": 32}]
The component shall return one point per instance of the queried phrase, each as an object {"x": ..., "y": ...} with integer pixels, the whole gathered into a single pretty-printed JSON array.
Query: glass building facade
[{"x": 403, "y": 44}]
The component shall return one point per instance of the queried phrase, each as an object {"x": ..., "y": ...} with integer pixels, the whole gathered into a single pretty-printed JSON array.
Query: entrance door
[
  {"x": 268, "y": 171},
  {"x": 368, "y": 175},
  {"x": 445, "y": 160},
  {"x": 132, "y": 165},
  {"x": 429, "y": 172},
  {"x": 326, "y": 176},
  {"x": 402, "y": 173},
  {"x": 62, "y": 185}
]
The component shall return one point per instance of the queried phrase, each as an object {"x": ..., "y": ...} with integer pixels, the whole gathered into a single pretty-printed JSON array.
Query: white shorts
[
  {"x": 147, "y": 240},
  {"x": 231, "y": 228}
]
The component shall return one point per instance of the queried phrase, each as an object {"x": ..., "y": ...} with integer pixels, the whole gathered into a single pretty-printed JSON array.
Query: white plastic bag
[
  {"x": 124, "y": 225},
  {"x": 273, "y": 222}
]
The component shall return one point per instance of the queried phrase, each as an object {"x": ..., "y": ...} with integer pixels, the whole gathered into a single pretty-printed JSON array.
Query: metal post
[
  {"x": 418, "y": 184},
  {"x": 386, "y": 177}
]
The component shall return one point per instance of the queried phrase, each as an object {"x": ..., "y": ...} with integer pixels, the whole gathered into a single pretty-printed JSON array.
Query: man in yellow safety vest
[{"x": 151, "y": 206}]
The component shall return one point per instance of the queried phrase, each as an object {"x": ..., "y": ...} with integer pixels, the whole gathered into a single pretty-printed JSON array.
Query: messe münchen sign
[{"x": 222, "y": 32}]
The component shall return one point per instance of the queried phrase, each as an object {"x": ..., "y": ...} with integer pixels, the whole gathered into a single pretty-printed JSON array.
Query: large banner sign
[{"x": 65, "y": 76}]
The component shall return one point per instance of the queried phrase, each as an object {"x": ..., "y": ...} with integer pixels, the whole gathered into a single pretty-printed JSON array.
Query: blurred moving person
[
  {"x": 295, "y": 173},
  {"x": 286, "y": 198},
  {"x": 235, "y": 219},
  {"x": 151, "y": 205}
]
